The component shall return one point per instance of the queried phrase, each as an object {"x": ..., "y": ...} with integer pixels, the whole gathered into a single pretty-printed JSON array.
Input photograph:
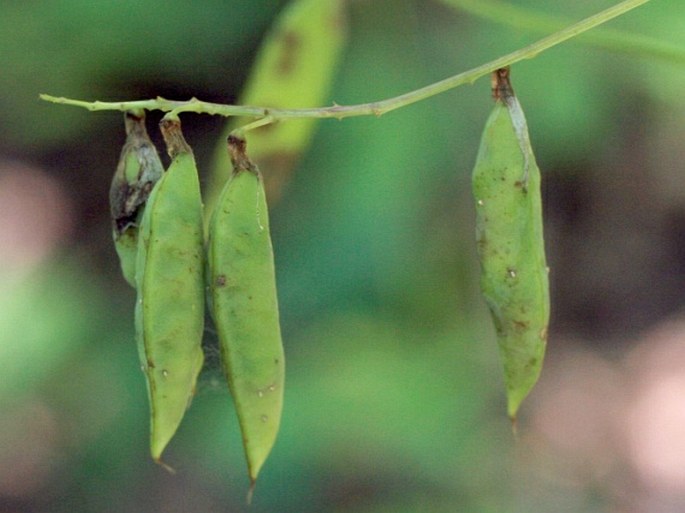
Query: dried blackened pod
[
  {"x": 138, "y": 170},
  {"x": 514, "y": 273},
  {"x": 171, "y": 292}
]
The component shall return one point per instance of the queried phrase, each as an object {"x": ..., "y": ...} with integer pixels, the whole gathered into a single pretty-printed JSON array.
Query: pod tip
[
  {"x": 514, "y": 426},
  {"x": 166, "y": 467},
  {"x": 250, "y": 492}
]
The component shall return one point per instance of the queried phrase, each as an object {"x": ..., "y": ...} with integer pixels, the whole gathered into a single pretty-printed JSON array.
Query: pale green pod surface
[
  {"x": 171, "y": 292},
  {"x": 294, "y": 68},
  {"x": 138, "y": 170},
  {"x": 244, "y": 306},
  {"x": 514, "y": 274}
]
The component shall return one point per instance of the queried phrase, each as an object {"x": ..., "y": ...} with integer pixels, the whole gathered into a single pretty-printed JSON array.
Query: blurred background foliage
[{"x": 394, "y": 400}]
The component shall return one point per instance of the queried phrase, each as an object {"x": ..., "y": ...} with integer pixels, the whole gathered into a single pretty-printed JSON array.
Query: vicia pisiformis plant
[{"x": 184, "y": 258}]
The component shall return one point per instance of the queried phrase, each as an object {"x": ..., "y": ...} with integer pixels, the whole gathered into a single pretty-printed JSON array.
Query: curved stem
[
  {"x": 267, "y": 120},
  {"x": 512, "y": 15},
  {"x": 374, "y": 108}
]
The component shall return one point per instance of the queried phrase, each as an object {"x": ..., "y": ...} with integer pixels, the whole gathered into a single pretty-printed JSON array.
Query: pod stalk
[
  {"x": 237, "y": 150},
  {"x": 173, "y": 136}
]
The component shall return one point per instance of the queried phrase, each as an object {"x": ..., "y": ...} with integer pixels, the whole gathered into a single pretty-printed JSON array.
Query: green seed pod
[
  {"x": 138, "y": 170},
  {"x": 170, "y": 285},
  {"x": 294, "y": 68},
  {"x": 242, "y": 288},
  {"x": 514, "y": 281}
]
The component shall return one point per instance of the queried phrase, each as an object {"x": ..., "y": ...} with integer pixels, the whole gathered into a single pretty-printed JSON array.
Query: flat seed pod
[
  {"x": 514, "y": 273},
  {"x": 294, "y": 68},
  {"x": 170, "y": 286},
  {"x": 138, "y": 170},
  {"x": 242, "y": 288}
]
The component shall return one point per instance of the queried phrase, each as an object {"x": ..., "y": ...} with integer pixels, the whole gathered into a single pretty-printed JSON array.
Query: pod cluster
[
  {"x": 184, "y": 259},
  {"x": 510, "y": 243},
  {"x": 157, "y": 220}
]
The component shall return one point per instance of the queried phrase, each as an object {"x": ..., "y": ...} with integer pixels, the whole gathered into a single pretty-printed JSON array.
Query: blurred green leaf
[{"x": 45, "y": 317}]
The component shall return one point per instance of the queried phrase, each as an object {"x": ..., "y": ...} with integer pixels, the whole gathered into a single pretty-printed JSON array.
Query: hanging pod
[
  {"x": 243, "y": 303},
  {"x": 138, "y": 170},
  {"x": 170, "y": 286},
  {"x": 514, "y": 273}
]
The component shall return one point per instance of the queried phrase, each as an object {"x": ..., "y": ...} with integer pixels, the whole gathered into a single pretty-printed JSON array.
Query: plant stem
[
  {"x": 374, "y": 108},
  {"x": 512, "y": 15}
]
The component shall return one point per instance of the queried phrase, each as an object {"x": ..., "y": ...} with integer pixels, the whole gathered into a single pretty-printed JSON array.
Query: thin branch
[
  {"x": 512, "y": 15},
  {"x": 374, "y": 108}
]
